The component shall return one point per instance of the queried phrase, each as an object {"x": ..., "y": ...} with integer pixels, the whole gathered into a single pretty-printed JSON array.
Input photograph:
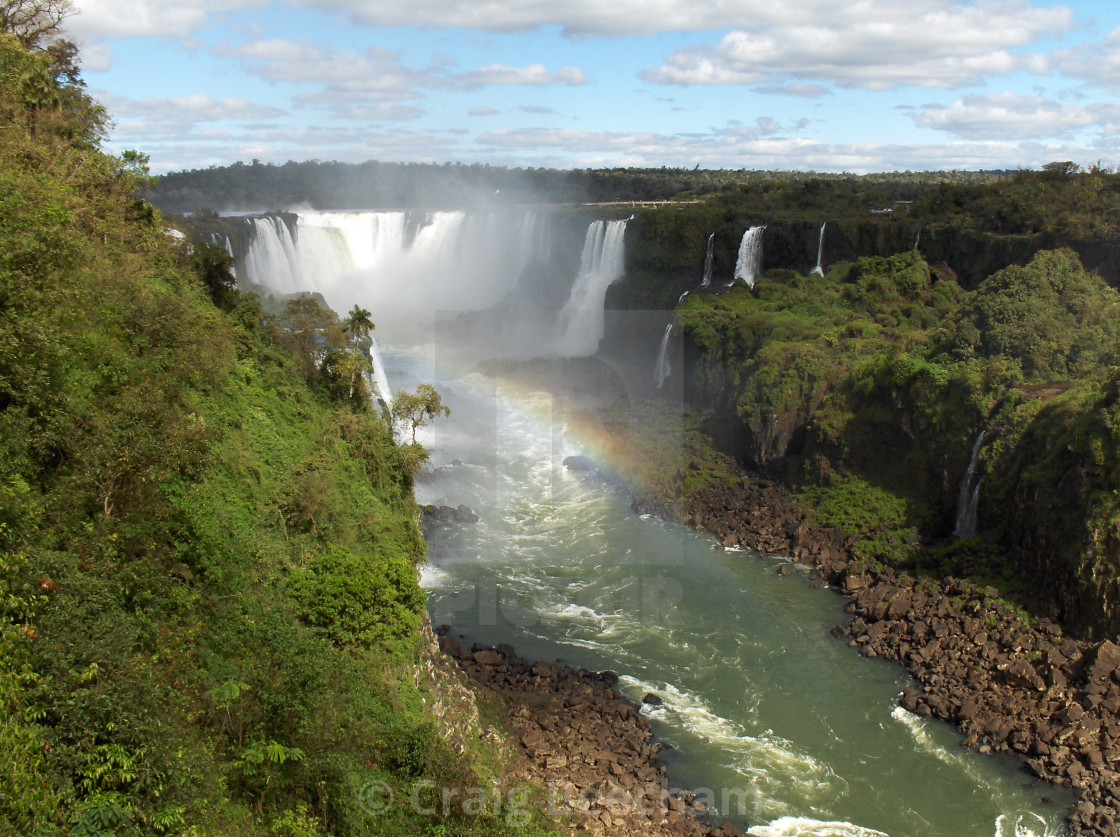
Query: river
[{"x": 775, "y": 722}]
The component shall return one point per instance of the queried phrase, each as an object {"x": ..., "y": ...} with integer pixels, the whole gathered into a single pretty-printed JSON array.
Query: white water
[
  {"x": 917, "y": 238},
  {"x": 819, "y": 270},
  {"x": 407, "y": 269},
  {"x": 968, "y": 495},
  {"x": 380, "y": 378},
  {"x": 662, "y": 369},
  {"x": 706, "y": 279},
  {"x": 749, "y": 264},
  {"x": 601, "y": 264}
]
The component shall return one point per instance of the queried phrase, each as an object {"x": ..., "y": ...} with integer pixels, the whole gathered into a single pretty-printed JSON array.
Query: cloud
[
  {"x": 187, "y": 109},
  {"x": 539, "y": 109},
  {"x": 1097, "y": 64},
  {"x": 873, "y": 45},
  {"x": 346, "y": 77},
  {"x": 378, "y": 112},
  {"x": 1011, "y": 116},
  {"x": 481, "y": 110},
  {"x": 747, "y": 148},
  {"x": 104, "y": 19},
  {"x": 535, "y": 75},
  {"x": 798, "y": 89}
]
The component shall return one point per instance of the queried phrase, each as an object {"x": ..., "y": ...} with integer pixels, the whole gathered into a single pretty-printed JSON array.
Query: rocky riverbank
[
  {"x": 1011, "y": 685},
  {"x": 586, "y": 744}
]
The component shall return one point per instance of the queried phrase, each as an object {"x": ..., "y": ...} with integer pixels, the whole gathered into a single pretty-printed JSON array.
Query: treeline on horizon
[
  {"x": 1070, "y": 202},
  {"x": 380, "y": 185}
]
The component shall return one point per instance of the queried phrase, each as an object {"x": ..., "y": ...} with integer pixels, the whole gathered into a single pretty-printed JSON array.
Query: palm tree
[{"x": 358, "y": 324}]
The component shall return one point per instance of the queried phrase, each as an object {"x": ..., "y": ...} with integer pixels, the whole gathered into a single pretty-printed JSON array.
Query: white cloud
[
  {"x": 103, "y": 19},
  {"x": 378, "y": 112},
  {"x": 873, "y": 45},
  {"x": 1098, "y": 64},
  {"x": 481, "y": 110},
  {"x": 535, "y": 75},
  {"x": 375, "y": 75},
  {"x": 727, "y": 149},
  {"x": 186, "y": 109},
  {"x": 98, "y": 59},
  {"x": 1009, "y": 116}
]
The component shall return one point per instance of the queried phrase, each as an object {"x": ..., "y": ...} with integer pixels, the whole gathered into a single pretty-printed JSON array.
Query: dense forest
[
  {"x": 382, "y": 185},
  {"x": 211, "y": 620}
]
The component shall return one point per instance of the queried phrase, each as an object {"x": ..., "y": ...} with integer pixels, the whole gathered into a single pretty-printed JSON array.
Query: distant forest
[{"x": 374, "y": 185}]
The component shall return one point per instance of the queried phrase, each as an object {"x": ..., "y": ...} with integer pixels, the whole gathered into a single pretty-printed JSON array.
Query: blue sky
[{"x": 859, "y": 86}]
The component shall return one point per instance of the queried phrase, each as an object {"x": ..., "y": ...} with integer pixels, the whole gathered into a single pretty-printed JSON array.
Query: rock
[
  {"x": 1106, "y": 661},
  {"x": 488, "y": 658},
  {"x": 440, "y": 516},
  {"x": 579, "y": 464},
  {"x": 652, "y": 700}
]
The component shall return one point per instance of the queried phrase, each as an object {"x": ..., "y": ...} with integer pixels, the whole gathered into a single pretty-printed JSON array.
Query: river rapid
[{"x": 773, "y": 722}]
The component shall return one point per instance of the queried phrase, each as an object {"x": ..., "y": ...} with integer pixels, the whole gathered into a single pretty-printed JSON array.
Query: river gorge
[{"x": 777, "y": 724}]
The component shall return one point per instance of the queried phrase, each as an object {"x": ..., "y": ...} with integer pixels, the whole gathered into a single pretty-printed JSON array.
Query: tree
[
  {"x": 36, "y": 23},
  {"x": 358, "y": 324},
  {"x": 417, "y": 409}
]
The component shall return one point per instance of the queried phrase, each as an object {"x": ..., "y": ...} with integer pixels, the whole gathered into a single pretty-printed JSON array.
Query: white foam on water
[
  {"x": 771, "y": 762},
  {"x": 803, "y": 827},
  {"x": 433, "y": 578},
  {"x": 1026, "y": 825}
]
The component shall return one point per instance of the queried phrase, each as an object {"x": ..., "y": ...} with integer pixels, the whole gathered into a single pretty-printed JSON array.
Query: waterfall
[
  {"x": 706, "y": 280},
  {"x": 917, "y": 238},
  {"x": 402, "y": 266},
  {"x": 380, "y": 379},
  {"x": 968, "y": 496},
  {"x": 662, "y": 369},
  {"x": 601, "y": 264},
  {"x": 749, "y": 264},
  {"x": 818, "y": 270}
]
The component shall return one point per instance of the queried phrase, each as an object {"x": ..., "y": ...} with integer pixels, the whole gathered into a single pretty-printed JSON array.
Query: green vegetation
[
  {"x": 211, "y": 620},
  {"x": 865, "y": 390}
]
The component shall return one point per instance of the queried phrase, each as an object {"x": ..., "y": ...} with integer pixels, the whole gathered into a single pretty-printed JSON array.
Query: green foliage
[
  {"x": 353, "y": 599},
  {"x": 416, "y": 410},
  {"x": 209, "y": 606}
]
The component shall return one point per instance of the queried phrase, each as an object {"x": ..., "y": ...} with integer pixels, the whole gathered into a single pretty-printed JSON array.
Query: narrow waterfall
[
  {"x": 706, "y": 280},
  {"x": 662, "y": 369},
  {"x": 968, "y": 496},
  {"x": 819, "y": 270},
  {"x": 749, "y": 265},
  {"x": 380, "y": 379},
  {"x": 601, "y": 264},
  {"x": 917, "y": 239}
]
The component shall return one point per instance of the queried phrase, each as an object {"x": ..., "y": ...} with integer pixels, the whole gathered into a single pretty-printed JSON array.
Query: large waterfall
[
  {"x": 749, "y": 265},
  {"x": 409, "y": 263},
  {"x": 706, "y": 279},
  {"x": 819, "y": 270},
  {"x": 968, "y": 495},
  {"x": 601, "y": 264}
]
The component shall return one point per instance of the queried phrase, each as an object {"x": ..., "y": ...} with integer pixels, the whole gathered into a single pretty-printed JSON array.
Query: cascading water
[
  {"x": 749, "y": 264},
  {"x": 968, "y": 496},
  {"x": 819, "y": 270},
  {"x": 706, "y": 279},
  {"x": 662, "y": 369},
  {"x": 917, "y": 239},
  {"x": 380, "y": 379},
  {"x": 601, "y": 264},
  {"x": 397, "y": 261}
]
